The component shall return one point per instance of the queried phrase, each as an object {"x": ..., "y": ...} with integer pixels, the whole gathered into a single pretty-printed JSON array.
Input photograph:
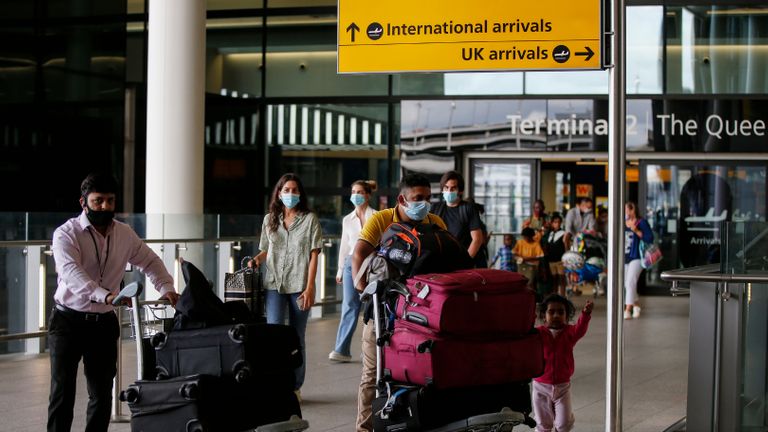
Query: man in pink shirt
[{"x": 91, "y": 252}]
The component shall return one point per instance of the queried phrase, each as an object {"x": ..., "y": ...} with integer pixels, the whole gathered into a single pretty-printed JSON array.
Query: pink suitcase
[
  {"x": 418, "y": 355},
  {"x": 467, "y": 302}
]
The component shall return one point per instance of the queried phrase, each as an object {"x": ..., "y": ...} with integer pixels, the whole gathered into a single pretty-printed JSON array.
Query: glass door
[{"x": 506, "y": 188}]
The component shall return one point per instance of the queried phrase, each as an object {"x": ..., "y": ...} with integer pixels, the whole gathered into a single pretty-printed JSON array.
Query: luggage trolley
[
  {"x": 504, "y": 420},
  {"x": 148, "y": 318},
  {"x": 151, "y": 317}
]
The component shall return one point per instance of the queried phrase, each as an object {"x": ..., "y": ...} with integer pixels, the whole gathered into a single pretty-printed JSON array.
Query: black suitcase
[
  {"x": 267, "y": 353},
  {"x": 203, "y": 403},
  {"x": 421, "y": 408}
]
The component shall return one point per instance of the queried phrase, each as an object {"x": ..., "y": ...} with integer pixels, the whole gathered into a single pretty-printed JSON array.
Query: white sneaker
[
  {"x": 627, "y": 314},
  {"x": 636, "y": 312},
  {"x": 338, "y": 357}
]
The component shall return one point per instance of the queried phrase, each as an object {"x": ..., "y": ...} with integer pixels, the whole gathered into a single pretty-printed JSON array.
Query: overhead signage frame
[{"x": 458, "y": 35}]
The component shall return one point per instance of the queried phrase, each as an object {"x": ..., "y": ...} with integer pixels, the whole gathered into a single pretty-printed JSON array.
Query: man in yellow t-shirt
[{"x": 412, "y": 206}]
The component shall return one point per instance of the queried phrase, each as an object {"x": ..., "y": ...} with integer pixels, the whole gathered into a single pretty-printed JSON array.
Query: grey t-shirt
[{"x": 577, "y": 222}]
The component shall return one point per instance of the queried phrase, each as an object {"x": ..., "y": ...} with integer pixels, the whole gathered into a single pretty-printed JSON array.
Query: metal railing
[
  {"x": 723, "y": 305},
  {"x": 221, "y": 257}
]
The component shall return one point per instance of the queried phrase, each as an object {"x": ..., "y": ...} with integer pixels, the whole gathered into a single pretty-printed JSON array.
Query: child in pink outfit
[{"x": 552, "y": 391}]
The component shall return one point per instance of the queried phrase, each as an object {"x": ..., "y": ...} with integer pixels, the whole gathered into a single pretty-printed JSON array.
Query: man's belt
[{"x": 85, "y": 316}]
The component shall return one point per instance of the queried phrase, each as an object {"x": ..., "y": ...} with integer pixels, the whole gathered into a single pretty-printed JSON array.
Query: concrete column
[
  {"x": 175, "y": 122},
  {"x": 175, "y": 106}
]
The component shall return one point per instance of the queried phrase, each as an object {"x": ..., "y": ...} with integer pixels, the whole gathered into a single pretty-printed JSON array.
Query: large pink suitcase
[
  {"x": 418, "y": 355},
  {"x": 467, "y": 302}
]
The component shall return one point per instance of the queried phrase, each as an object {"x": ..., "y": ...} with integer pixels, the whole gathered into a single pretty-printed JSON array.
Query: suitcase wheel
[
  {"x": 130, "y": 395},
  {"x": 194, "y": 426},
  {"x": 161, "y": 373},
  {"x": 242, "y": 371},
  {"x": 238, "y": 333},
  {"x": 189, "y": 391},
  {"x": 158, "y": 340}
]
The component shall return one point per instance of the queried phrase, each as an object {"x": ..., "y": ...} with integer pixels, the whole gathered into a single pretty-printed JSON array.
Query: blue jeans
[
  {"x": 297, "y": 318},
  {"x": 350, "y": 310}
]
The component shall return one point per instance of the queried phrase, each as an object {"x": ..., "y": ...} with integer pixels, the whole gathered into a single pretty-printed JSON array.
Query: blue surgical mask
[
  {"x": 417, "y": 210},
  {"x": 290, "y": 200},
  {"x": 450, "y": 197},
  {"x": 357, "y": 199}
]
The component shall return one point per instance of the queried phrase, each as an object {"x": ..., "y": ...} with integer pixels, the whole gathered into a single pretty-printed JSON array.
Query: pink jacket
[{"x": 558, "y": 351}]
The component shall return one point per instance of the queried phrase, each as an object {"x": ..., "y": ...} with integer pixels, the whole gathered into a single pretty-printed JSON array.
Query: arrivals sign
[{"x": 460, "y": 35}]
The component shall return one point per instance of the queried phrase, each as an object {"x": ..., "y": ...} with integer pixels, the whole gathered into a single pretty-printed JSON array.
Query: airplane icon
[{"x": 707, "y": 218}]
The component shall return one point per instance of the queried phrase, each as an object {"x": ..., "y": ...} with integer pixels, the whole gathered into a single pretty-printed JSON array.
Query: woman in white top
[{"x": 350, "y": 306}]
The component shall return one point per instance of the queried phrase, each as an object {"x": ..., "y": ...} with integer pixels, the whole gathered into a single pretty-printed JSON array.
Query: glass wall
[
  {"x": 62, "y": 91},
  {"x": 744, "y": 252},
  {"x": 717, "y": 49},
  {"x": 65, "y": 71},
  {"x": 505, "y": 189},
  {"x": 685, "y": 203},
  {"x": 329, "y": 146}
]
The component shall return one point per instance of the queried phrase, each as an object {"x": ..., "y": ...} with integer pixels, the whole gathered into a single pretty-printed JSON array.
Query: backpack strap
[{"x": 363, "y": 269}]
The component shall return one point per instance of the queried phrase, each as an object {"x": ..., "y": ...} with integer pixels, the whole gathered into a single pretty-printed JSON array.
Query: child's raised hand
[{"x": 588, "y": 307}]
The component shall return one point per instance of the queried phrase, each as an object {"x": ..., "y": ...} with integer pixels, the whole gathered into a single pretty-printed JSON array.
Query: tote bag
[{"x": 650, "y": 254}]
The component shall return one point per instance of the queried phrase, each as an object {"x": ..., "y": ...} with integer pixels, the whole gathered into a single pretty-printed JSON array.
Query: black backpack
[
  {"x": 200, "y": 307},
  {"x": 422, "y": 248}
]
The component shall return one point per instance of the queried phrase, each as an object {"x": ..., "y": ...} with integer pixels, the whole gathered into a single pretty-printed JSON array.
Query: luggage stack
[
  {"x": 462, "y": 344},
  {"x": 229, "y": 377}
]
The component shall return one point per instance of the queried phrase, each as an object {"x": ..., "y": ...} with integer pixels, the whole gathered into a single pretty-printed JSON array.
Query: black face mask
[{"x": 99, "y": 217}]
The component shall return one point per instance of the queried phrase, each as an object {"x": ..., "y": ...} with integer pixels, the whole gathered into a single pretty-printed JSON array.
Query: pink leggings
[{"x": 552, "y": 407}]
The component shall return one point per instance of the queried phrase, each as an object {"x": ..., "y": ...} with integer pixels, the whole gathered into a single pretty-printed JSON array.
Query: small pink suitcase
[
  {"x": 420, "y": 356},
  {"x": 467, "y": 302}
]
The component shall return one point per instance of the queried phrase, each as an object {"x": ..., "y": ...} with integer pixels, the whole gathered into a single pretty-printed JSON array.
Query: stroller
[
  {"x": 400, "y": 406},
  {"x": 585, "y": 263}
]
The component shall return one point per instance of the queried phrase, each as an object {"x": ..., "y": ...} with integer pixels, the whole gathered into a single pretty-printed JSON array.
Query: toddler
[
  {"x": 505, "y": 254},
  {"x": 552, "y": 391}
]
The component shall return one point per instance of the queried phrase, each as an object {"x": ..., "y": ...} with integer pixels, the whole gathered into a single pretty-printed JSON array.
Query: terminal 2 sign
[{"x": 458, "y": 35}]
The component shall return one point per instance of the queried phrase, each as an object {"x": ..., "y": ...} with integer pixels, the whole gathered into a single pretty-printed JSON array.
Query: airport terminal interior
[{"x": 78, "y": 94}]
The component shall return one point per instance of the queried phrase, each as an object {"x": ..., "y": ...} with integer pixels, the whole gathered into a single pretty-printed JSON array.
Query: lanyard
[{"x": 98, "y": 256}]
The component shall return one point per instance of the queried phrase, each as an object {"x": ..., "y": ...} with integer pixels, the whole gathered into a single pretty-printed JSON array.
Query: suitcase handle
[{"x": 417, "y": 318}]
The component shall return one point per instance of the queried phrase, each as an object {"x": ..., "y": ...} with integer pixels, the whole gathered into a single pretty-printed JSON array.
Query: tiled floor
[{"x": 655, "y": 376}]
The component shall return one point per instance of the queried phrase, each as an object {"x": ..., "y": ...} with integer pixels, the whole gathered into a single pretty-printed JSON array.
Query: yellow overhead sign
[{"x": 461, "y": 35}]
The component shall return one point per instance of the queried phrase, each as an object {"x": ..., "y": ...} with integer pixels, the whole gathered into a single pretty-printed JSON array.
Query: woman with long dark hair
[{"x": 290, "y": 243}]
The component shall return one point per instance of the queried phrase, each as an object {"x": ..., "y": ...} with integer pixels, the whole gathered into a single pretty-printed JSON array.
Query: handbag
[
  {"x": 650, "y": 254},
  {"x": 245, "y": 285}
]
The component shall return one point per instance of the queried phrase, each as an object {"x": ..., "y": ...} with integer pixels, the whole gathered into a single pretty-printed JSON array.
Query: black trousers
[{"x": 92, "y": 337}]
